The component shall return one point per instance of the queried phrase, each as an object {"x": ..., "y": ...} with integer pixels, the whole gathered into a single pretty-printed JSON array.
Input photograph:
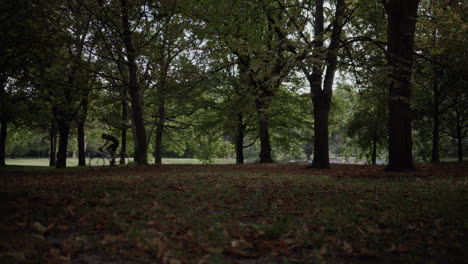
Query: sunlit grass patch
[{"x": 73, "y": 162}]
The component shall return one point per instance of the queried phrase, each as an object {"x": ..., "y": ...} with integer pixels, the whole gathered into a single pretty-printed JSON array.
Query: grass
[
  {"x": 280, "y": 213},
  {"x": 73, "y": 162}
]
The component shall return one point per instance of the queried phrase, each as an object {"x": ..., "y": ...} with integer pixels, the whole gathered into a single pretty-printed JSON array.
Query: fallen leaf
[
  {"x": 39, "y": 227},
  {"x": 214, "y": 250},
  {"x": 111, "y": 238},
  {"x": 348, "y": 248},
  {"x": 365, "y": 252},
  {"x": 400, "y": 248},
  {"x": 239, "y": 252},
  {"x": 63, "y": 228}
]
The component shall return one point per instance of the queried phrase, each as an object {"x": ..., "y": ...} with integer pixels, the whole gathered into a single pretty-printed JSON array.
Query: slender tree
[{"x": 320, "y": 68}]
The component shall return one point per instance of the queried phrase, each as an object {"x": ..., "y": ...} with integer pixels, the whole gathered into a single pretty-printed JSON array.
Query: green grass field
[
  {"x": 271, "y": 213},
  {"x": 71, "y": 162}
]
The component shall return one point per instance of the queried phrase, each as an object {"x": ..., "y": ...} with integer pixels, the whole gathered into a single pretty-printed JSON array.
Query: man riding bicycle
[{"x": 112, "y": 147}]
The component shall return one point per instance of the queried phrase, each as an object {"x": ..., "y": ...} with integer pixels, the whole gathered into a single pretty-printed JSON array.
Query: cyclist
[{"x": 112, "y": 147}]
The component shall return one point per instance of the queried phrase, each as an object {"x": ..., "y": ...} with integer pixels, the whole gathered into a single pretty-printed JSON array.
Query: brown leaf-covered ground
[{"x": 272, "y": 213}]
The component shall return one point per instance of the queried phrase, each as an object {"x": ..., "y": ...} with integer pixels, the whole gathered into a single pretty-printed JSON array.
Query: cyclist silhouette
[{"x": 112, "y": 147}]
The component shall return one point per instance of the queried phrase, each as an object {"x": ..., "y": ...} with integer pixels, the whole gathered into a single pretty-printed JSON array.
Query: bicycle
[{"x": 102, "y": 159}]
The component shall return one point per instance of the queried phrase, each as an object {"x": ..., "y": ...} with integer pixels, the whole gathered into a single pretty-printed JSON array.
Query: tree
[
  {"x": 400, "y": 37},
  {"x": 125, "y": 29},
  {"x": 321, "y": 96},
  {"x": 366, "y": 128},
  {"x": 70, "y": 84},
  {"x": 170, "y": 62},
  {"x": 438, "y": 43},
  {"x": 250, "y": 31},
  {"x": 321, "y": 65},
  {"x": 456, "y": 118},
  {"x": 16, "y": 53}
]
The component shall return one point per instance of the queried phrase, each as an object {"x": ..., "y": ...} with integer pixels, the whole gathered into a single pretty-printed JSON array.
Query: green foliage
[
  {"x": 22, "y": 141},
  {"x": 368, "y": 123},
  {"x": 291, "y": 124},
  {"x": 208, "y": 62},
  {"x": 206, "y": 147}
]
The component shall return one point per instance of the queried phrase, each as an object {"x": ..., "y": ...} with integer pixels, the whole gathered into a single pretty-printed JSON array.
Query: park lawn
[
  {"x": 73, "y": 162},
  {"x": 275, "y": 213}
]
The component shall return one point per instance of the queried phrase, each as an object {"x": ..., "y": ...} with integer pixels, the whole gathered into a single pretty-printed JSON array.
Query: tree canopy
[{"x": 263, "y": 81}]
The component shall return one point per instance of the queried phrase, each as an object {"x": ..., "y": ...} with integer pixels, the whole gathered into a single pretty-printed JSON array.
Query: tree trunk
[
  {"x": 436, "y": 119},
  {"x": 3, "y": 135},
  {"x": 321, "y": 106},
  {"x": 123, "y": 141},
  {"x": 400, "y": 36},
  {"x": 374, "y": 150},
  {"x": 321, "y": 98},
  {"x": 53, "y": 147},
  {"x": 81, "y": 134},
  {"x": 81, "y": 144},
  {"x": 436, "y": 135},
  {"x": 263, "y": 125},
  {"x": 460, "y": 142},
  {"x": 136, "y": 96},
  {"x": 159, "y": 132},
  {"x": 64, "y": 130},
  {"x": 4, "y": 120},
  {"x": 240, "y": 140}
]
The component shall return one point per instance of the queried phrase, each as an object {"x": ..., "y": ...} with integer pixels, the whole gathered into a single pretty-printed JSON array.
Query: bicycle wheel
[
  {"x": 122, "y": 160},
  {"x": 97, "y": 162}
]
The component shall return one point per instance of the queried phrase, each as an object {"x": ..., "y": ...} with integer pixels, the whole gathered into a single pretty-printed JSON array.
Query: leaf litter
[{"x": 235, "y": 214}]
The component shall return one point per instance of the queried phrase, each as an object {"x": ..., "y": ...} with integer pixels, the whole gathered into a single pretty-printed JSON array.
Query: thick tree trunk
[
  {"x": 321, "y": 98},
  {"x": 400, "y": 36},
  {"x": 159, "y": 132},
  {"x": 263, "y": 126},
  {"x": 239, "y": 144},
  {"x": 321, "y": 112},
  {"x": 81, "y": 144},
  {"x": 136, "y": 97},
  {"x": 53, "y": 147},
  {"x": 3, "y": 136},
  {"x": 64, "y": 130},
  {"x": 265, "y": 146}
]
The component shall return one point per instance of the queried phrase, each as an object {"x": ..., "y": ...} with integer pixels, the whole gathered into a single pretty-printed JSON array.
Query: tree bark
[
  {"x": 53, "y": 147},
  {"x": 262, "y": 103},
  {"x": 321, "y": 106},
  {"x": 400, "y": 38},
  {"x": 436, "y": 131},
  {"x": 81, "y": 144},
  {"x": 4, "y": 120},
  {"x": 136, "y": 97},
  {"x": 3, "y": 136},
  {"x": 159, "y": 132},
  {"x": 123, "y": 141},
  {"x": 459, "y": 142},
  {"x": 81, "y": 132},
  {"x": 436, "y": 118},
  {"x": 239, "y": 144},
  {"x": 374, "y": 150},
  {"x": 64, "y": 130},
  {"x": 321, "y": 98}
]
